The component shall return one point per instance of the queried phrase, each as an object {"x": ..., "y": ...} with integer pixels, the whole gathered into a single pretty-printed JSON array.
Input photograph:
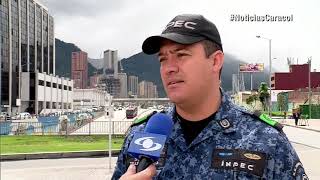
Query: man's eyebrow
[
  {"x": 173, "y": 51},
  {"x": 178, "y": 49}
]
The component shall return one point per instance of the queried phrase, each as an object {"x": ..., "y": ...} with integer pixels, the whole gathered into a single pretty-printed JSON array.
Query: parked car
[
  {"x": 4, "y": 116},
  {"x": 21, "y": 116}
]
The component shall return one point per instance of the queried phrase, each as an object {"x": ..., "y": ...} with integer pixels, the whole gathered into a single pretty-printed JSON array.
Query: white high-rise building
[
  {"x": 123, "y": 85},
  {"x": 27, "y": 79},
  {"x": 110, "y": 63},
  {"x": 147, "y": 90},
  {"x": 133, "y": 85}
]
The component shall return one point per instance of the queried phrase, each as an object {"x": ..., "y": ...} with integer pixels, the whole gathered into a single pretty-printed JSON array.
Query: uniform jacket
[{"x": 236, "y": 144}]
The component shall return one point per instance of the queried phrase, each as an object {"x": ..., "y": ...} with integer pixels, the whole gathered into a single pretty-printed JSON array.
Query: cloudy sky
[{"x": 97, "y": 25}]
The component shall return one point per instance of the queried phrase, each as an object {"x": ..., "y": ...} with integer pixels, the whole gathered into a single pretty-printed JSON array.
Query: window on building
[
  {"x": 54, "y": 85},
  {"x": 48, "y": 84},
  {"x": 41, "y": 82},
  {"x": 60, "y": 86},
  {"x": 65, "y": 87},
  {"x": 70, "y": 88}
]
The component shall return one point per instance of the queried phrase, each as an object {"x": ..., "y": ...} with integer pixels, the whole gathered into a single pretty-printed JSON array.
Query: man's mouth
[{"x": 174, "y": 82}]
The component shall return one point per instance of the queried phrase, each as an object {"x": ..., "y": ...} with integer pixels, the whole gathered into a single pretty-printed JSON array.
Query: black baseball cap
[{"x": 184, "y": 29}]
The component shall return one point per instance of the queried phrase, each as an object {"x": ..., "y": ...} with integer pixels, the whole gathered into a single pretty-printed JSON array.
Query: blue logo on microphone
[{"x": 147, "y": 144}]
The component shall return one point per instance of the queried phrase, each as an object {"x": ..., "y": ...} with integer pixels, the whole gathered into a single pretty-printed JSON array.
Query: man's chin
[{"x": 176, "y": 98}]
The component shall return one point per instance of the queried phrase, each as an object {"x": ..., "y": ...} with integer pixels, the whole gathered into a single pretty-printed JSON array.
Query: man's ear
[{"x": 217, "y": 60}]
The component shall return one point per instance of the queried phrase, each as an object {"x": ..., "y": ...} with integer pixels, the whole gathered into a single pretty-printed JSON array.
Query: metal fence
[
  {"x": 84, "y": 127},
  {"x": 64, "y": 125}
]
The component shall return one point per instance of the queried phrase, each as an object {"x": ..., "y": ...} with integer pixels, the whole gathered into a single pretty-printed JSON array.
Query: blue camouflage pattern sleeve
[
  {"x": 121, "y": 166},
  {"x": 124, "y": 159},
  {"x": 287, "y": 163}
]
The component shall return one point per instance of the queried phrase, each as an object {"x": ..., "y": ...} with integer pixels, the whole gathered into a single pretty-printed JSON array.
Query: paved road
[
  {"x": 304, "y": 141},
  {"x": 307, "y": 145},
  {"x": 58, "y": 169}
]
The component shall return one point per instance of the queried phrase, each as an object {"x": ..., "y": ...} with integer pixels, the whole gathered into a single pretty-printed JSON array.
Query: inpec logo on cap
[{"x": 180, "y": 23}]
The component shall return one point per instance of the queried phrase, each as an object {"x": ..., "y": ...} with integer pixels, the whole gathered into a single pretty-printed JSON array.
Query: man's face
[{"x": 186, "y": 72}]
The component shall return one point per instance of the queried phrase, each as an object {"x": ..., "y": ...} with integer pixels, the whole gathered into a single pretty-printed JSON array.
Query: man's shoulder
[
  {"x": 140, "y": 123},
  {"x": 259, "y": 130},
  {"x": 255, "y": 118},
  {"x": 142, "y": 120}
]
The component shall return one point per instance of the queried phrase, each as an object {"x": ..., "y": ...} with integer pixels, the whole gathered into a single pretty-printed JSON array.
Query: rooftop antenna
[
  {"x": 121, "y": 68},
  {"x": 288, "y": 61}
]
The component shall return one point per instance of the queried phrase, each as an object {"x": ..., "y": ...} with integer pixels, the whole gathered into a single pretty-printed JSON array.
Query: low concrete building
[
  {"x": 301, "y": 96},
  {"x": 241, "y": 97},
  {"x": 88, "y": 98},
  {"x": 43, "y": 94}
]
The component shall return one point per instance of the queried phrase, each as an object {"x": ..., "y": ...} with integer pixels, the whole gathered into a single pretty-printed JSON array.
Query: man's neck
[{"x": 202, "y": 109}]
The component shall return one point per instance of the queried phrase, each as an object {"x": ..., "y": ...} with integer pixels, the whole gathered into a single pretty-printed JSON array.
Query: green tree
[
  {"x": 264, "y": 95},
  {"x": 252, "y": 99},
  {"x": 281, "y": 102}
]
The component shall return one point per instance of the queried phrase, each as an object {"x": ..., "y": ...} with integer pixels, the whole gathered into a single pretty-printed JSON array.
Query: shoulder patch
[
  {"x": 266, "y": 119},
  {"x": 143, "y": 119}
]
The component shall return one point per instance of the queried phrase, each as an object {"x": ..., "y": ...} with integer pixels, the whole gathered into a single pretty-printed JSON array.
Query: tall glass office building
[{"x": 27, "y": 45}]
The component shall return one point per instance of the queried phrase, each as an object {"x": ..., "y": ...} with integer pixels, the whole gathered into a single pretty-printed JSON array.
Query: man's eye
[
  {"x": 182, "y": 54},
  {"x": 161, "y": 59}
]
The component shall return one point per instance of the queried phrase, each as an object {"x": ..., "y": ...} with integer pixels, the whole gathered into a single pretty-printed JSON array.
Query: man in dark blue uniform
[{"x": 212, "y": 138}]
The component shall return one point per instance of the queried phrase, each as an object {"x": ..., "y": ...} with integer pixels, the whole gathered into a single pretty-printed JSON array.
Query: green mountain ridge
[
  {"x": 146, "y": 67},
  {"x": 63, "y": 58}
]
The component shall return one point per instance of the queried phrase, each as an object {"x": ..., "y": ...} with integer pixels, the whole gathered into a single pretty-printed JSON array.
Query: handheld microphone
[{"x": 147, "y": 146}]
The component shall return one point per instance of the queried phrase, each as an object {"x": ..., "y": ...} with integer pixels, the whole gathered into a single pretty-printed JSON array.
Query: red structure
[
  {"x": 79, "y": 69},
  {"x": 94, "y": 81},
  {"x": 297, "y": 78}
]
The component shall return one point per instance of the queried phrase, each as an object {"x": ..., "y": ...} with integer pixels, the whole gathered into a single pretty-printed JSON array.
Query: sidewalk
[
  {"x": 57, "y": 155},
  {"x": 310, "y": 124}
]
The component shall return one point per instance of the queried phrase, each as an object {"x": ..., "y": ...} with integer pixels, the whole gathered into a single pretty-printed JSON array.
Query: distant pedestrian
[{"x": 296, "y": 116}]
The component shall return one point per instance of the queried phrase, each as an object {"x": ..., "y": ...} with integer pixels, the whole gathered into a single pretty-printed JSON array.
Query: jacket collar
[{"x": 220, "y": 123}]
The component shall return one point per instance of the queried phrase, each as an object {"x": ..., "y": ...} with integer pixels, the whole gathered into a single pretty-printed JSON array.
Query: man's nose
[{"x": 171, "y": 66}]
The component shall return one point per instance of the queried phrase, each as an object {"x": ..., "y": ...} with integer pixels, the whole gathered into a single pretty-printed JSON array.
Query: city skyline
[{"x": 124, "y": 25}]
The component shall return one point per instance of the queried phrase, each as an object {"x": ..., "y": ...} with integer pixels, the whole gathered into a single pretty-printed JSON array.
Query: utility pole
[
  {"x": 0, "y": 73},
  {"x": 270, "y": 63},
  {"x": 108, "y": 103},
  {"x": 309, "y": 82},
  {"x": 270, "y": 68}
]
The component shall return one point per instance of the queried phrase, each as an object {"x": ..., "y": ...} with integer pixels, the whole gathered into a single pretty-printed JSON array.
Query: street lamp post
[
  {"x": 108, "y": 102},
  {"x": 309, "y": 84},
  {"x": 270, "y": 64},
  {"x": 0, "y": 75}
]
